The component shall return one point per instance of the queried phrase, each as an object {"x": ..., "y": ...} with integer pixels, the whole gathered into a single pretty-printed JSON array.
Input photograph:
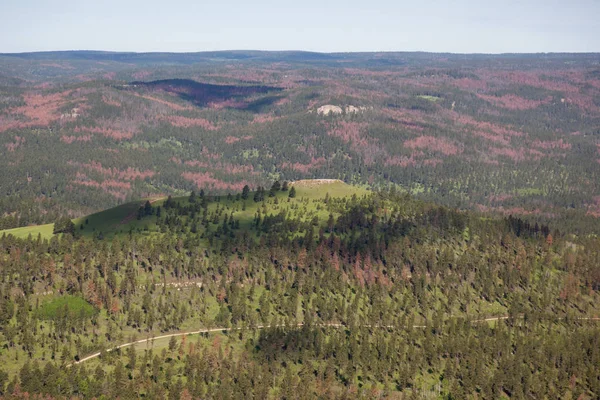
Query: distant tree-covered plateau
[{"x": 509, "y": 134}]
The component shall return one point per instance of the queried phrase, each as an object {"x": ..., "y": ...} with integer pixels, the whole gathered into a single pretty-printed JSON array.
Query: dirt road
[{"x": 223, "y": 329}]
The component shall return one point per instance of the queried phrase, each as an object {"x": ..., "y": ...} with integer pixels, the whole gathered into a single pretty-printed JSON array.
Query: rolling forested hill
[
  {"x": 295, "y": 225},
  {"x": 311, "y": 289},
  {"x": 511, "y": 134}
]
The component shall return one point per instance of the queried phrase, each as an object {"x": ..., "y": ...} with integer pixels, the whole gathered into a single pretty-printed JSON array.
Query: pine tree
[
  {"x": 148, "y": 210},
  {"x": 64, "y": 225},
  {"x": 172, "y": 343},
  {"x": 259, "y": 195},
  {"x": 3, "y": 380}
]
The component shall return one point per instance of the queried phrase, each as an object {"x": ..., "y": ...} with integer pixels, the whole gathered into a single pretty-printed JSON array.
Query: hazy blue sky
[{"x": 464, "y": 26}]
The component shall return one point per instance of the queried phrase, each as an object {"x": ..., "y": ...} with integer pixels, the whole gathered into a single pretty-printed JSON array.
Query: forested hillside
[
  {"x": 510, "y": 134},
  {"x": 296, "y": 225},
  {"x": 312, "y": 289}
]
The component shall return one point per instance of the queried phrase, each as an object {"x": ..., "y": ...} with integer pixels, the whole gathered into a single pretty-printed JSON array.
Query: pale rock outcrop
[
  {"x": 329, "y": 109},
  {"x": 336, "y": 110}
]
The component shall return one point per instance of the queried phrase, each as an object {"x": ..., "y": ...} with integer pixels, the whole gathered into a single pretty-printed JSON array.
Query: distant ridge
[
  {"x": 372, "y": 58},
  {"x": 168, "y": 57}
]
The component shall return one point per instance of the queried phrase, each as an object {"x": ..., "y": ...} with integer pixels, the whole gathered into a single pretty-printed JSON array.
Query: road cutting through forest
[{"x": 224, "y": 329}]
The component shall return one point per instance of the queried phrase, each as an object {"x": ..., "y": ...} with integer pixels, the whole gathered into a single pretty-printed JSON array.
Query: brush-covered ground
[{"x": 318, "y": 290}]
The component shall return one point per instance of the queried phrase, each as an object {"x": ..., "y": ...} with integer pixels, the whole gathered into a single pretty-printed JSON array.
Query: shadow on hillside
[{"x": 203, "y": 94}]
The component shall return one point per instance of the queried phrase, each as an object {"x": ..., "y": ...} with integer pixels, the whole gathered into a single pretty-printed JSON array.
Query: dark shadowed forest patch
[{"x": 202, "y": 94}]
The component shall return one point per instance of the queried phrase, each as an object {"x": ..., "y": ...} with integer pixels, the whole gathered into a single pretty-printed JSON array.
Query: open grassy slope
[
  {"x": 24, "y": 231},
  {"x": 110, "y": 220},
  {"x": 122, "y": 219},
  {"x": 118, "y": 219}
]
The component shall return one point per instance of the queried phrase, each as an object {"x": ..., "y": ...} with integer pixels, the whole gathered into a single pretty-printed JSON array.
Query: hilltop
[{"x": 124, "y": 219}]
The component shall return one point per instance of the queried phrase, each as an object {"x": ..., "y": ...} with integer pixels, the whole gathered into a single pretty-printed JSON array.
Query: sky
[{"x": 456, "y": 26}]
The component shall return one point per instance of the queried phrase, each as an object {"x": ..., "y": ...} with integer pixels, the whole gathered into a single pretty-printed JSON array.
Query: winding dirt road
[{"x": 223, "y": 329}]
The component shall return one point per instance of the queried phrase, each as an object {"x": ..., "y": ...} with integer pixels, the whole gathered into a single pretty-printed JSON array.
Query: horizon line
[{"x": 301, "y": 51}]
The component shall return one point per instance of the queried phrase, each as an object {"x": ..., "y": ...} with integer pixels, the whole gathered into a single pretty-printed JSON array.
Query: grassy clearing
[
  {"x": 318, "y": 188},
  {"x": 433, "y": 99},
  {"x": 112, "y": 220},
  {"x": 69, "y": 306},
  {"x": 107, "y": 221},
  {"x": 34, "y": 231},
  {"x": 530, "y": 192},
  {"x": 122, "y": 219},
  {"x": 307, "y": 204}
]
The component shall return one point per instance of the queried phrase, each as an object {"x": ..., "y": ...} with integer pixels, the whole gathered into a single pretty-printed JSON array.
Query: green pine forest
[
  {"x": 315, "y": 289},
  {"x": 296, "y": 225}
]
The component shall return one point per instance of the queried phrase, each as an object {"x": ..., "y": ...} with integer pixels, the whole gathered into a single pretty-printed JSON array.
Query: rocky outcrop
[{"x": 331, "y": 109}]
